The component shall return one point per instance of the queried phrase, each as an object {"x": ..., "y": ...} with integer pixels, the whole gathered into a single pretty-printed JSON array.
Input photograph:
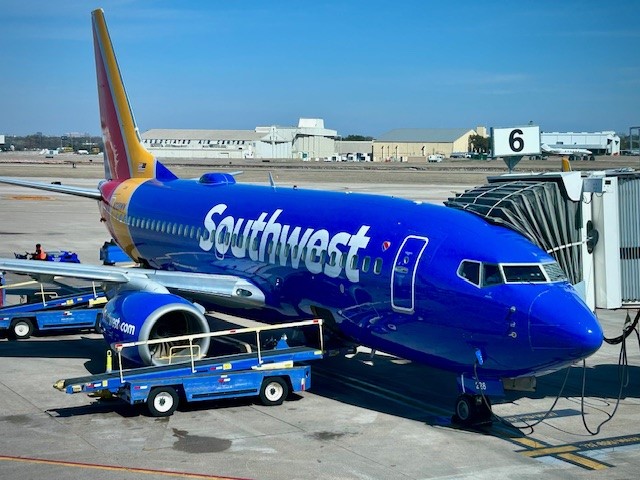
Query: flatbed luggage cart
[{"x": 269, "y": 373}]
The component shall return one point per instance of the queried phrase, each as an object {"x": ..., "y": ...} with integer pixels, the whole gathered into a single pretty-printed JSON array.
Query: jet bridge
[{"x": 589, "y": 222}]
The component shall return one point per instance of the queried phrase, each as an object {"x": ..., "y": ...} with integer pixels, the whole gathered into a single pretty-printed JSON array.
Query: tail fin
[{"x": 124, "y": 154}]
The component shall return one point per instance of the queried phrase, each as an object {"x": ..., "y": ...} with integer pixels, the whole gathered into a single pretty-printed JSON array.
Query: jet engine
[{"x": 133, "y": 316}]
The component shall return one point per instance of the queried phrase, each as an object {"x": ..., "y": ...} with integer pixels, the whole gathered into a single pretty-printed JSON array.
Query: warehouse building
[
  {"x": 308, "y": 139},
  {"x": 411, "y": 144},
  {"x": 600, "y": 143}
]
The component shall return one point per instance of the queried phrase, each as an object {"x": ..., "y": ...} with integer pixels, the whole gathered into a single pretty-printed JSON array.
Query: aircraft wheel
[
  {"x": 162, "y": 401},
  {"x": 21, "y": 329},
  {"x": 273, "y": 391},
  {"x": 465, "y": 409}
]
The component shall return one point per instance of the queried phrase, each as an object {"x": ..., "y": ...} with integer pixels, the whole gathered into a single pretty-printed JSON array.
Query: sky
[{"x": 365, "y": 67}]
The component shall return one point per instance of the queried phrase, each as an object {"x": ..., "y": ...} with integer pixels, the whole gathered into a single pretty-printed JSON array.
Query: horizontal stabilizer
[{"x": 92, "y": 193}]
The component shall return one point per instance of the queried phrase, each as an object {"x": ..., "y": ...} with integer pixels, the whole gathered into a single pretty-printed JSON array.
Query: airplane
[
  {"x": 419, "y": 281},
  {"x": 573, "y": 153}
]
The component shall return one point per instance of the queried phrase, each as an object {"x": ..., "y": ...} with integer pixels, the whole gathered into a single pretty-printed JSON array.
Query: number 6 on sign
[{"x": 516, "y": 141}]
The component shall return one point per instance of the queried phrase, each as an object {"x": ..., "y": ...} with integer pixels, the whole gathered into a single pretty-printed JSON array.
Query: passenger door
[{"x": 403, "y": 276}]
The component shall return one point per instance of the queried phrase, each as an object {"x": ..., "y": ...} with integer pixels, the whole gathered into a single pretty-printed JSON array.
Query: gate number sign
[{"x": 516, "y": 141}]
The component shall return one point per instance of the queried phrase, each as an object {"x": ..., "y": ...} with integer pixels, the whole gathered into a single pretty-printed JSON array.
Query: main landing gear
[{"x": 472, "y": 410}]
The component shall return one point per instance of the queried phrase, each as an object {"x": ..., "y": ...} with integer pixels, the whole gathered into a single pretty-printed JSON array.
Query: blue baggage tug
[{"x": 269, "y": 373}]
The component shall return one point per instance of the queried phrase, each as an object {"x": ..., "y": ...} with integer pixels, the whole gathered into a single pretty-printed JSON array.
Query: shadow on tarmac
[
  {"x": 91, "y": 349},
  {"x": 380, "y": 383}
]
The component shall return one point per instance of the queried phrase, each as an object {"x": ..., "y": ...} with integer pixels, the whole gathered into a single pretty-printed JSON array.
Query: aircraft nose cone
[{"x": 559, "y": 320}]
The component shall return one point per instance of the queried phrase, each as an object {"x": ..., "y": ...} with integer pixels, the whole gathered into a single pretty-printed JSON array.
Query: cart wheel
[
  {"x": 21, "y": 329},
  {"x": 162, "y": 401},
  {"x": 273, "y": 391}
]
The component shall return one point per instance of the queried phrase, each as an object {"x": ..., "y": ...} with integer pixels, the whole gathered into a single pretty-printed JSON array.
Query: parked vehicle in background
[{"x": 436, "y": 157}]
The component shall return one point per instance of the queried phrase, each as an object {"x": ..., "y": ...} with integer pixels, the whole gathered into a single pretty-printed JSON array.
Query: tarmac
[{"x": 367, "y": 417}]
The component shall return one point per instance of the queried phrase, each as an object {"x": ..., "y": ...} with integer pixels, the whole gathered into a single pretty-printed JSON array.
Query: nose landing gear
[{"x": 472, "y": 410}]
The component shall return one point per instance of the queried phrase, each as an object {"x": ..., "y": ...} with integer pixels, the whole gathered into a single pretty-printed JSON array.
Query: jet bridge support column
[{"x": 606, "y": 254}]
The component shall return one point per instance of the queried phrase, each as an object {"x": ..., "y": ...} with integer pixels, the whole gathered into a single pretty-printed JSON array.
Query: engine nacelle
[{"x": 134, "y": 316}]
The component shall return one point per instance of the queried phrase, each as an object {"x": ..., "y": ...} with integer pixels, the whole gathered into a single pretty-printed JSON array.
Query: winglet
[{"x": 124, "y": 154}]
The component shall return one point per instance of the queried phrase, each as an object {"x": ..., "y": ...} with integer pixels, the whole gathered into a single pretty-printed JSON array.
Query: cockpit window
[
  {"x": 554, "y": 272},
  {"x": 491, "y": 275},
  {"x": 470, "y": 271},
  {"x": 524, "y": 274}
]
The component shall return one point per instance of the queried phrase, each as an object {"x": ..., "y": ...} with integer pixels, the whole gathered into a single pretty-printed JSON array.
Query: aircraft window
[
  {"x": 180, "y": 229},
  {"x": 354, "y": 262},
  {"x": 174, "y": 228},
  {"x": 205, "y": 235},
  {"x": 227, "y": 238},
  {"x": 254, "y": 246},
  {"x": 377, "y": 266},
  {"x": 470, "y": 271},
  {"x": 491, "y": 275},
  {"x": 366, "y": 263},
  {"x": 152, "y": 226},
  {"x": 303, "y": 254},
  {"x": 332, "y": 258},
  {"x": 234, "y": 239},
  {"x": 343, "y": 261},
  {"x": 269, "y": 247},
  {"x": 523, "y": 274},
  {"x": 323, "y": 257},
  {"x": 294, "y": 253},
  {"x": 554, "y": 272},
  {"x": 164, "y": 227},
  {"x": 287, "y": 249}
]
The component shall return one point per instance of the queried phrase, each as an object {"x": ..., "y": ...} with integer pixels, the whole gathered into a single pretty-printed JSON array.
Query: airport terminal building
[
  {"x": 411, "y": 144},
  {"x": 308, "y": 140},
  {"x": 600, "y": 143}
]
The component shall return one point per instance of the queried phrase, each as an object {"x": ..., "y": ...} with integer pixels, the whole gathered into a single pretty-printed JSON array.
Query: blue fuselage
[{"x": 389, "y": 273}]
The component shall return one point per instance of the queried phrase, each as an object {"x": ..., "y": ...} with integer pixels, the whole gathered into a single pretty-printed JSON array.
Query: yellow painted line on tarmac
[
  {"x": 543, "y": 452},
  {"x": 527, "y": 442},
  {"x": 112, "y": 468},
  {"x": 583, "y": 461}
]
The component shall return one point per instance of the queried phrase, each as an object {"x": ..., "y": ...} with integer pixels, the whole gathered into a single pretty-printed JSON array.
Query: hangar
[
  {"x": 308, "y": 139},
  {"x": 407, "y": 144},
  {"x": 600, "y": 143}
]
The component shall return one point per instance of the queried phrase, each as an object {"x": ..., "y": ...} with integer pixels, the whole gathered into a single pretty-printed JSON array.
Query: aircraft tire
[
  {"x": 273, "y": 391},
  {"x": 162, "y": 401},
  {"x": 21, "y": 329},
  {"x": 465, "y": 409}
]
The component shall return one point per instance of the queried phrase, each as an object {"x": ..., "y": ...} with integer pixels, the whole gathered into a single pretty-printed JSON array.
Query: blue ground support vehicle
[
  {"x": 111, "y": 253},
  {"x": 268, "y": 373},
  {"x": 77, "y": 311},
  {"x": 53, "y": 256}
]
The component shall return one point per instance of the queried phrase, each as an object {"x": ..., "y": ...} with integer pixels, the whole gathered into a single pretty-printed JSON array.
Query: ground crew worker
[{"x": 39, "y": 254}]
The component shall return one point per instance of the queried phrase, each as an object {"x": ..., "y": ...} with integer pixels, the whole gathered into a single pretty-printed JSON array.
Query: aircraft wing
[
  {"x": 93, "y": 193},
  {"x": 219, "y": 289}
]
